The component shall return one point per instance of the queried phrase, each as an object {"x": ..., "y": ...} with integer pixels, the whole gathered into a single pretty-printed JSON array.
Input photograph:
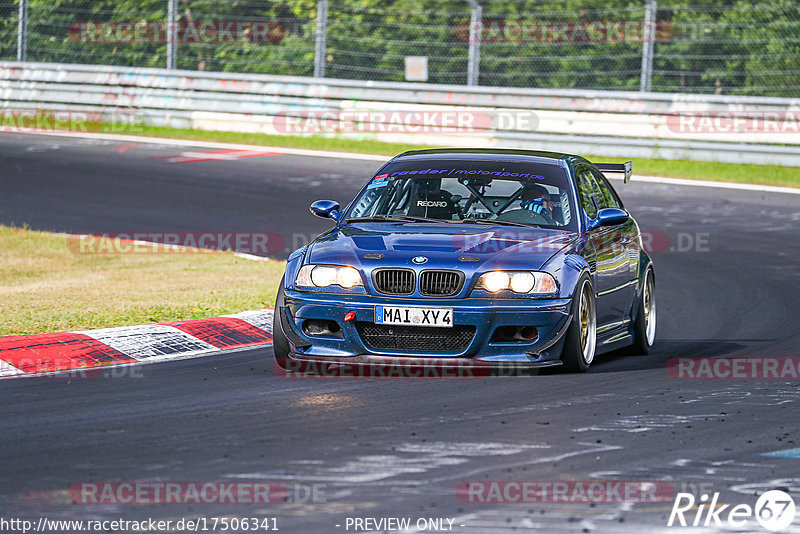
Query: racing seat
[{"x": 432, "y": 202}]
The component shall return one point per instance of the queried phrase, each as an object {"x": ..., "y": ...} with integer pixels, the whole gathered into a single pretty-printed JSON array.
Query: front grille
[
  {"x": 394, "y": 281},
  {"x": 440, "y": 283},
  {"x": 415, "y": 338}
]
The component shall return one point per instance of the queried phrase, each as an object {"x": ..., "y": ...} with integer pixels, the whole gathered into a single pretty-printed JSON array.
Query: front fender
[
  {"x": 293, "y": 264},
  {"x": 645, "y": 262},
  {"x": 567, "y": 268}
]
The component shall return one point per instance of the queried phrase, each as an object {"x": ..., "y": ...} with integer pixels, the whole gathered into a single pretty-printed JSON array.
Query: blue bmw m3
[{"x": 495, "y": 257}]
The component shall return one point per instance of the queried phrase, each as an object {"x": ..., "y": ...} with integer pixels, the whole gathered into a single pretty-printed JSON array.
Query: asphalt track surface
[{"x": 400, "y": 448}]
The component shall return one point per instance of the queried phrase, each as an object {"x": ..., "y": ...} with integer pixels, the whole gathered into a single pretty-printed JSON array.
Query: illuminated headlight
[
  {"x": 494, "y": 281},
  {"x": 328, "y": 275},
  {"x": 523, "y": 282}
]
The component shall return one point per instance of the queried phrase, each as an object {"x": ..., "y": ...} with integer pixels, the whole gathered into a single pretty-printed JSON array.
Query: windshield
[{"x": 503, "y": 192}]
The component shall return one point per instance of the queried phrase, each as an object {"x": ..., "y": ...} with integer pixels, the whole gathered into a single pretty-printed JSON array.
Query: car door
[
  {"x": 612, "y": 279},
  {"x": 627, "y": 239}
]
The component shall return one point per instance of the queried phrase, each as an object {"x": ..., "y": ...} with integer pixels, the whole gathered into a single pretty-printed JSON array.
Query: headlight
[
  {"x": 494, "y": 281},
  {"x": 328, "y": 275},
  {"x": 524, "y": 282},
  {"x": 348, "y": 277}
]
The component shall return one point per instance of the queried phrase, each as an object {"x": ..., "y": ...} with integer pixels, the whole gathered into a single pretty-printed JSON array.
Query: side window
[
  {"x": 605, "y": 196},
  {"x": 588, "y": 188}
]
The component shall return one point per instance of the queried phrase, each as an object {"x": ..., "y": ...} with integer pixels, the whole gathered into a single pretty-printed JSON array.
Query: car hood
[{"x": 447, "y": 245}]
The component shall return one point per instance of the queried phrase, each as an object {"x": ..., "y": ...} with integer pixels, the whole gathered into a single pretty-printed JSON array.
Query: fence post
[
  {"x": 648, "y": 45},
  {"x": 321, "y": 48},
  {"x": 172, "y": 34},
  {"x": 475, "y": 34},
  {"x": 22, "y": 31}
]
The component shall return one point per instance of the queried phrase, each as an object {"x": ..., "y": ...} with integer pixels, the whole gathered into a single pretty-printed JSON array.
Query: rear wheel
[
  {"x": 644, "y": 326},
  {"x": 581, "y": 337},
  {"x": 280, "y": 345}
]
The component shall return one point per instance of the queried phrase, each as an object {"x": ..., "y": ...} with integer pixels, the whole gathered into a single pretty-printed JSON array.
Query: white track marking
[
  {"x": 145, "y": 342},
  {"x": 259, "y": 318},
  {"x": 219, "y": 155},
  {"x": 8, "y": 370},
  {"x": 642, "y": 423},
  {"x": 252, "y": 257},
  {"x": 372, "y": 157},
  {"x": 207, "y": 144}
]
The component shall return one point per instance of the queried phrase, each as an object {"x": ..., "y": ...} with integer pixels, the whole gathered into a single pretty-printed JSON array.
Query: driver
[{"x": 537, "y": 199}]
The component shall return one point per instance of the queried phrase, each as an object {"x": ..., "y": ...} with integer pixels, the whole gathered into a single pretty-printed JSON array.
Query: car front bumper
[{"x": 551, "y": 318}]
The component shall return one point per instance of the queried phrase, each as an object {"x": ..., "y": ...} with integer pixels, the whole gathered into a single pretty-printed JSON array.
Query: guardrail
[{"x": 756, "y": 130}]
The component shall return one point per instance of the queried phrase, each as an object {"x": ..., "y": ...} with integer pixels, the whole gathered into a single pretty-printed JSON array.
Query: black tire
[
  {"x": 579, "y": 349},
  {"x": 280, "y": 344},
  {"x": 645, "y": 318}
]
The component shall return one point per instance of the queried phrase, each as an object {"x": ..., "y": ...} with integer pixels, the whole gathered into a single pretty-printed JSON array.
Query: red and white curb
[{"x": 48, "y": 353}]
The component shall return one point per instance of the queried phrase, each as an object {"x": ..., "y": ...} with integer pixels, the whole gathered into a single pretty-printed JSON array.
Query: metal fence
[{"x": 742, "y": 47}]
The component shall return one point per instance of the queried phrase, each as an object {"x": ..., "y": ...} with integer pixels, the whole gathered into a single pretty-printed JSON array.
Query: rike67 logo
[{"x": 774, "y": 511}]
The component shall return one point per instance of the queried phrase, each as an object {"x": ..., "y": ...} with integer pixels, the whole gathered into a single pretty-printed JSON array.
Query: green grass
[
  {"x": 714, "y": 171},
  {"x": 315, "y": 142},
  {"x": 702, "y": 170},
  {"x": 50, "y": 286}
]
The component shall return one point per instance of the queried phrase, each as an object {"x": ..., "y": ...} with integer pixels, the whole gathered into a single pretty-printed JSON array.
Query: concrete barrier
[{"x": 605, "y": 123}]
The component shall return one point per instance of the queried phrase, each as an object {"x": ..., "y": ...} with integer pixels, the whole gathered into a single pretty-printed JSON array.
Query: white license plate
[{"x": 402, "y": 315}]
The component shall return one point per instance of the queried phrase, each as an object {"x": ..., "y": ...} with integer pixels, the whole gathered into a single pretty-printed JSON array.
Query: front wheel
[
  {"x": 644, "y": 326},
  {"x": 280, "y": 345},
  {"x": 581, "y": 337}
]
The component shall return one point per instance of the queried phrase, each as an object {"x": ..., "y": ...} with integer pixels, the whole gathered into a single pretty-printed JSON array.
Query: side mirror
[
  {"x": 327, "y": 209},
  {"x": 609, "y": 217}
]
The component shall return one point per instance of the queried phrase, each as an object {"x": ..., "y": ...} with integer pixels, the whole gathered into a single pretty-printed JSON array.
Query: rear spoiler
[{"x": 617, "y": 168}]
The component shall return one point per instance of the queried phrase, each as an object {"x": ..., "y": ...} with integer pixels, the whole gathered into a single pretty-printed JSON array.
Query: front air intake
[{"x": 415, "y": 339}]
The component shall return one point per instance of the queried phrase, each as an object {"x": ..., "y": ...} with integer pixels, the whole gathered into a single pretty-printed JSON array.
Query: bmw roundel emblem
[{"x": 419, "y": 260}]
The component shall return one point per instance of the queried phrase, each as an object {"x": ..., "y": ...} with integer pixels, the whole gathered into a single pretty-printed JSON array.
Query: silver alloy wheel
[
  {"x": 588, "y": 320},
  {"x": 649, "y": 303}
]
